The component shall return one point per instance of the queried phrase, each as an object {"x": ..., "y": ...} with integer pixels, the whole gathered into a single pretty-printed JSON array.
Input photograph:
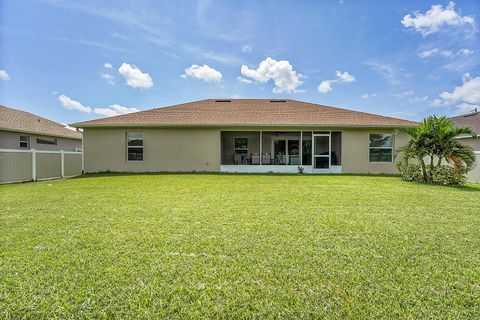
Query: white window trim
[
  {"x": 391, "y": 148},
  {"x": 20, "y": 142},
  {"x": 126, "y": 142}
]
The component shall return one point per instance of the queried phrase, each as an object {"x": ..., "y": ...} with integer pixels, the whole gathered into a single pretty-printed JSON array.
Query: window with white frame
[
  {"x": 381, "y": 147},
  {"x": 24, "y": 142},
  {"x": 135, "y": 146}
]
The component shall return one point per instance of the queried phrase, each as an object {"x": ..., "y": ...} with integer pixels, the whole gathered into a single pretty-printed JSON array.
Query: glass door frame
[
  {"x": 314, "y": 135},
  {"x": 287, "y": 154}
]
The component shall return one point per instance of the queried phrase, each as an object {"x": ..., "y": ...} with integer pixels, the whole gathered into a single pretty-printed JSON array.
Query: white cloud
[
  {"x": 435, "y": 18},
  {"x": 420, "y": 99},
  {"x": 135, "y": 77},
  {"x": 281, "y": 72},
  {"x": 73, "y": 105},
  {"x": 244, "y": 80},
  {"x": 247, "y": 49},
  {"x": 366, "y": 95},
  {"x": 109, "y": 78},
  {"x": 469, "y": 92},
  {"x": 464, "y": 108},
  {"x": 465, "y": 52},
  {"x": 114, "y": 110},
  {"x": 326, "y": 85},
  {"x": 107, "y": 65},
  {"x": 4, "y": 75},
  {"x": 204, "y": 73},
  {"x": 435, "y": 52},
  {"x": 345, "y": 76},
  {"x": 403, "y": 94},
  {"x": 444, "y": 53}
]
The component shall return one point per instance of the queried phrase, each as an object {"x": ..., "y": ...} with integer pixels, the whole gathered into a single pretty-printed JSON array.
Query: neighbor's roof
[
  {"x": 21, "y": 121},
  {"x": 247, "y": 112},
  {"x": 471, "y": 120}
]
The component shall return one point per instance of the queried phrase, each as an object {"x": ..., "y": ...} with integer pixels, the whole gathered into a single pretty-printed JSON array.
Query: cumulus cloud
[
  {"x": 112, "y": 110},
  {"x": 73, "y": 105},
  {"x": 281, "y": 72},
  {"x": 204, "y": 73},
  {"x": 435, "y": 18},
  {"x": 326, "y": 85},
  {"x": 468, "y": 92},
  {"x": 107, "y": 65},
  {"x": 4, "y": 75},
  {"x": 135, "y": 77}
]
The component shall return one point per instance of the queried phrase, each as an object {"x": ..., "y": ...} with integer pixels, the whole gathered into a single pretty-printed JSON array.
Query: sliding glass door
[{"x": 321, "y": 151}]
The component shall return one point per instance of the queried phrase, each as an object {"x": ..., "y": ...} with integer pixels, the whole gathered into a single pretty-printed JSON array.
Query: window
[
  {"x": 134, "y": 146},
  {"x": 46, "y": 141},
  {"x": 24, "y": 142},
  {"x": 241, "y": 145},
  {"x": 381, "y": 147}
]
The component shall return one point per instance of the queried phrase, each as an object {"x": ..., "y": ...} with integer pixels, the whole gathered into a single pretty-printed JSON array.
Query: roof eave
[
  {"x": 39, "y": 133},
  {"x": 219, "y": 125}
]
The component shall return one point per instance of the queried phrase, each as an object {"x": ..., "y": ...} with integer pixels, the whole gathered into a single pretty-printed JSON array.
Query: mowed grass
[{"x": 239, "y": 246}]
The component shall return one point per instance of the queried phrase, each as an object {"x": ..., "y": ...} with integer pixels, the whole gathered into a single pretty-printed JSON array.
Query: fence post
[
  {"x": 62, "y": 165},
  {"x": 34, "y": 165}
]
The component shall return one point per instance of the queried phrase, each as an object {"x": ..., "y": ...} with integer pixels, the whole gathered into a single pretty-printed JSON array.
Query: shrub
[
  {"x": 300, "y": 169},
  {"x": 448, "y": 176},
  {"x": 410, "y": 172}
]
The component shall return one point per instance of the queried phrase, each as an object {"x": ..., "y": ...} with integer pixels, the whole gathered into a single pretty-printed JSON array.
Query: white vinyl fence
[
  {"x": 32, "y": 165},
  {"x": 474, "y": 175}
]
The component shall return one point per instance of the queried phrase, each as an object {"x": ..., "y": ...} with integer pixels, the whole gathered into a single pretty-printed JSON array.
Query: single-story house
[
  {"x": 243, "y": 135},
  {"x": 23, "y": 130}
]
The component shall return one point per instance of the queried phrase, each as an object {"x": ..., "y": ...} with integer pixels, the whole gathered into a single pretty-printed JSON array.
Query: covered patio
[{"x": 281, "y": 151}]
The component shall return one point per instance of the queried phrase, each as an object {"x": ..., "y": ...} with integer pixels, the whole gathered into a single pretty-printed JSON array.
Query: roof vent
[
  {"x": 278, "y": 100},
  {"x": 223, "y": 100}
]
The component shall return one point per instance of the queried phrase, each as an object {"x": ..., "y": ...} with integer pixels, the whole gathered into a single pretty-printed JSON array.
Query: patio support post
[
  {"x": 261, "y": 157},
  {"x": 301, "y": 147}
]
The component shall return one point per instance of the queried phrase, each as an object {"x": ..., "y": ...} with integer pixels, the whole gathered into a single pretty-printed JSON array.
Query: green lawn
[{"x": 239, "y": 246}]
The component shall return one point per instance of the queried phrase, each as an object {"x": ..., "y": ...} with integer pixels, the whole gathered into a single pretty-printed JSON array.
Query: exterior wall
[
  {"x": 474, "y": 175},
  {"x": 171, "y": 150},
  {"x": 355, "y": 152},
  {"x": 72, "y": 165},
  {"x": 199, "y": 149},
  {"x": 474, "y": 143},
  {"x": 11, "y": 140}
]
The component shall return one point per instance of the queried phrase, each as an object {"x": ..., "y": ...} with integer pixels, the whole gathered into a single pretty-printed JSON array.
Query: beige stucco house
[
  {"x": 23, "y": 130},
  {"x": 243, "y": 135}
]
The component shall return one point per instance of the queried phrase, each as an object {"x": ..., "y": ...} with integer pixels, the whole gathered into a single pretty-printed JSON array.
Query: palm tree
[{"x": 437, "y": 137}]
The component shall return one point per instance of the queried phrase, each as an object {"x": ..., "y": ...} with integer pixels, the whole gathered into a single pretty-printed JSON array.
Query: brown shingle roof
[
  {"x": 247, "y": 112},
  {"x": 22, "y": 121},
  {"x": 471, "y": 120}
]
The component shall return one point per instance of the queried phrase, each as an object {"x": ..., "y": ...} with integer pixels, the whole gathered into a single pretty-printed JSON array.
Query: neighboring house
[
  {"x": 243, "y": 135},
  {"x": 23, "y": 130},
  {"x": 471, "y": 120}
]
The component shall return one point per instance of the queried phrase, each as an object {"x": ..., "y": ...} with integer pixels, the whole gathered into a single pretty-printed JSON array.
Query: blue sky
[{"x": 76, "y": 60}]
